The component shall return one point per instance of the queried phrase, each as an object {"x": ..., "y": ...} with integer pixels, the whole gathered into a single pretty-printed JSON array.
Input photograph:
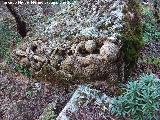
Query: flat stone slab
[{"x": 86, "y": 104}]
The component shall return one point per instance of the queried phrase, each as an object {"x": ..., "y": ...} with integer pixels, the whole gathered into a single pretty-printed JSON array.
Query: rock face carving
[{"x": 83, "y": 42}]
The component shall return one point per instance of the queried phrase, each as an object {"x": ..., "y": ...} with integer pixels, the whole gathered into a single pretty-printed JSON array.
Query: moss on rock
[{"x": 131, "y": 35}]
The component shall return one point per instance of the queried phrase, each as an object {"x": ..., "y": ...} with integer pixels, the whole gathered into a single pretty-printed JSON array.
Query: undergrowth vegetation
[
  {"x": 150, "y": 28},
  {"x": 48, "y": 113},
  {"x": 140, "y": 100},
  {"x": 150, "y": 60},
  {"x": 8, "y": 39},
  {"x": 24, "y": 71}
]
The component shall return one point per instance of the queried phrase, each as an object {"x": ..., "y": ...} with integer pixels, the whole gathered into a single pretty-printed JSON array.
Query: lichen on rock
[
  {"x": 83, "y": 42},
  {"x": 86, "y": 104}
]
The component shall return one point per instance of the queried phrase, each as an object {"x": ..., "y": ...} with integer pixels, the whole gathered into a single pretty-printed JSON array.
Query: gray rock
[
  {"x": 83, "y": 41},
  {"x": 86, "y": 104}
]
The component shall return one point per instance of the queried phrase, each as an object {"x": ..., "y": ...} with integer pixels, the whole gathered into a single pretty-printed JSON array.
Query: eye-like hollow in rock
[{"x": 34, "y": 48}]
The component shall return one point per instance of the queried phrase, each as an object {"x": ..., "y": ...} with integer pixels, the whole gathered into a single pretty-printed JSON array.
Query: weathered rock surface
[
  {"x": 86, "y": 104},
  {"x": 83, "y": 41}
]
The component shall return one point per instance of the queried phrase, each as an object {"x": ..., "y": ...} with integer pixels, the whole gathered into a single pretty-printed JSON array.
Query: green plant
[
  {"x": 150, "y": 28},
  {"x": 7, "y": 39},
  {"x": 29, "y": 93},
  {"x": 48, "y": 113},
  {"x": 140, "y": 101},
  {"x": 23, "y": 70},
  {"x": 152, "y": 60}
]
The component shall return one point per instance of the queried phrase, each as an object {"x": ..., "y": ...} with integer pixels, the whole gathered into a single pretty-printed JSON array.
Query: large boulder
[{"x": 85, "y": 41}]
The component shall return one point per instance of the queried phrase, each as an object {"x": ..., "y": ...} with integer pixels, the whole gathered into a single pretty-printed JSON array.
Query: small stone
[
  {"x": 90, "y": 45},
  {"x": 37, "y": 86},
  {"x": 38, "y": 58},
  {"x": 20, "y": 53}
]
